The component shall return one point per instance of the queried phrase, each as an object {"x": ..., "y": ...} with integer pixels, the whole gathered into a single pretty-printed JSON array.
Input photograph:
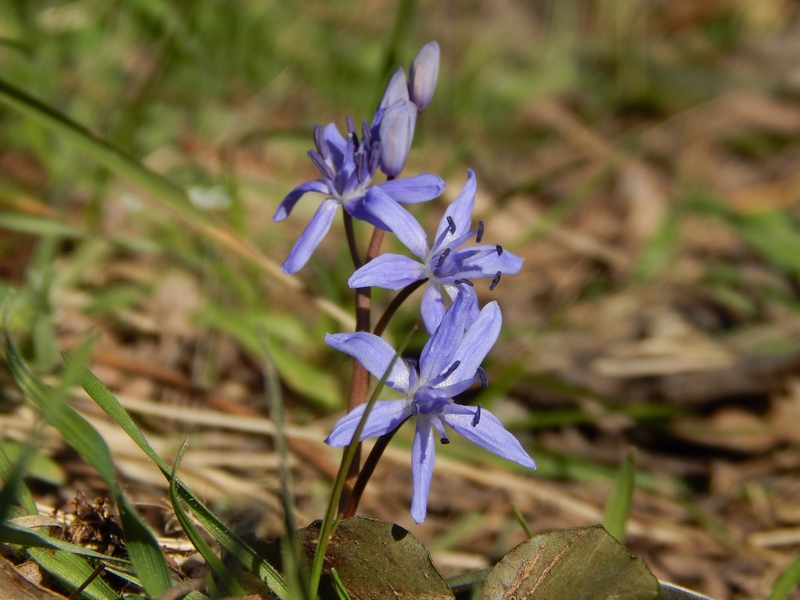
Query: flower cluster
[{"x": 461, "y": 335}]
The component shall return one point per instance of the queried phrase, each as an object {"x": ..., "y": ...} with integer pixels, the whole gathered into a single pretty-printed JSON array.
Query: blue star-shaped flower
[
  {"x": 347, "y": 167},
  {"x": 443, "y": 264},
  {"x": 449, "y": 364}
]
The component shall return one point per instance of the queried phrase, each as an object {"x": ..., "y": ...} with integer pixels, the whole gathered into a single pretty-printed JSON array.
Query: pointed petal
[
  {"x": 432, "y": 307},
  {"x": 460, "y": 210},
  {"x": 410, "y": 190},
  {"x": 383, "y": 418},
  {"x": 400, "y": 221},
  {"x": 488, "y": 433},
  {"x": 476, "y": 343},
  {"x": 423, "y": 455},
  {"x": 374, "y": 353},
  {"x": 287, "y": 204},
  {"x": 336, "y": 144},
  {"x": 439, "y": 353},
  {"x": 388, "y": 271},
  {"x": 486, "y": 266},
  {"x": 308, "y": 241}
]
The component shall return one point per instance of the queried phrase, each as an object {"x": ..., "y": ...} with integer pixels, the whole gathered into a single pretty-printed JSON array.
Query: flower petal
[
  {"x": 423, "y": 455},
  {"x": 308, "y": 241},
  {"x": 399, "y": 220},
  {"x": 460, "y": 210},
  {"x": 383, "y": 418},
  {"x": 476, "y": 343},
  {"x": 488, "y": 433},
  {"x": 396, "y": 89},
  {"x": 374, "y": 353},
  {"x": 438, "y": 354},
  {"x": 432, "y": 307},
  {"x": 287, "y": 204},
  {"x": 396, "y": 134},
  {"x": 423, "y": 75},
  {"x": 388, "y": 271},
  {"x": 489, "y": 264},
  {"x": 410, "y": 190},
  {"x": 336, "y": 144}
]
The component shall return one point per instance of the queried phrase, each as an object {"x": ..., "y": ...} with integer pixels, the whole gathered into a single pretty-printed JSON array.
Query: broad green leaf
[
  {"x": 584, "y": 563},
  {"x": 144, "y": 551},
  {"x": 226, "y": 578},
  {"x": 618, "y": 506},
  {"x": 670, "y": 591},
  {"x": 376, "y": 559},
  {"x": 248, "y": 557}
]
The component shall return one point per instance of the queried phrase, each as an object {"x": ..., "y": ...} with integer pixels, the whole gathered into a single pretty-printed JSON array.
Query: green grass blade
[
  {"x": 787, "y": 582},
  {"x": 145, "y": 553},
  {"x": 226, "y": 578},
  {"x": 618, "y": 507},
  {"x": 72, "y": 571},
  {"x": 521, "y": 519},
  {"x": 14, "y": 487},
  {"x": 218, "y": 530}
]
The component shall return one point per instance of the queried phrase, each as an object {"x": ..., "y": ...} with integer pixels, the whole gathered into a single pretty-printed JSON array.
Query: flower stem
[
  {"x": 396, "y": 302},
  {"x": 366, "y": 472},
  {"x": 351, "y": 239}
]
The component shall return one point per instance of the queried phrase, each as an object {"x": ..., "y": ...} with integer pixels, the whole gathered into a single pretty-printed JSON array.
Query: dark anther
[
  {"x": 366, "y": 134},
  {"x": 442, "y": 257},
  {"x": 374, "y": 157},
  {"x": 477, "y": 418},
  {"x": 499, "y": 250},
  {"x": 495, "y": 281},
  {"x": 465, "y": 280},
  {"x": 449, "y": 371},
  {"x": 452, "y": 225},
  {"x": 482, "y": 375},
  {"x": 361, "y": 167},
  {"x": 411, "y": 362},
  {"x": 479, "y": 237},
  {"x": 320, "y": 163},
  {"x": 445, "y": 440}
]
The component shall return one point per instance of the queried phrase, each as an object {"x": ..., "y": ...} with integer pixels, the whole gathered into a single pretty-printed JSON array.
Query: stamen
[
  {"x": 319, "y": 141},
  {"x": 495, "y": 281},
  {"x": 479, "y": 237},
  {"x": 477, "y": 418},
  {"x": 351, "y": 130},
  {"x": 450, "y": 370},
  {"x": 465, "y": 280},
  {"x": 442, "y": 257},
  {"x": 499, "y": 249},
  {"x": 374, "y": 157},
  {"x": 444, "y": 440},
  {"x": 319, "y": 162},
  {"x": 482, "y": 375},
  {"x": 452, "y": 225},
  {"x": 361, "y": 167}
]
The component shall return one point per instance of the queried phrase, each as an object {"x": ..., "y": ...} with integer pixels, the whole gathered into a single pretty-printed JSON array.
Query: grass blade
[
  {"x": 226, "y": 578},
  {"x": 72, "y": 572},
  {"x": 218, "y": 530},
  {"x": 149, "y": 563},
  {"x": 787, "y": 582},
  {"x": 618, "y": 507}
]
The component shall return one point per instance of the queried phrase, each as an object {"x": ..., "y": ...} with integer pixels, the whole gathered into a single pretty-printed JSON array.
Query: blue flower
[
  {"x": 449, "y": 364},
  {"x": 347, "y": 167},
  {"x": 443, "y": 264}
]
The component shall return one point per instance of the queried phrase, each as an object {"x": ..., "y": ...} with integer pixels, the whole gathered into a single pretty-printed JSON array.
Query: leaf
[
  {"x": 144, "y": 551},
  {"x": 376, "y": 559},
  {"x": 248, "y": 557},
  {"x": 584, "y": 563},
  {"x": 787, "y": 582},
  {"x": 618, "y": 507}
]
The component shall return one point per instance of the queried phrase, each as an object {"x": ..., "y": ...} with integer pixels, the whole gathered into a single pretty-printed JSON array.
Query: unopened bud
[
  {"x": 396, "y": 133},
  {"x": 396, "y": 89},
  {"x": 423, "y": 75}
]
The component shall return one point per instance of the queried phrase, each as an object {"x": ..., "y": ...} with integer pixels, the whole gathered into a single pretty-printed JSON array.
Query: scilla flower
[
  {"x": 347, "y": 167},
  {"x": 449, "y": 364},
  {"x": 446, "y": 265}
]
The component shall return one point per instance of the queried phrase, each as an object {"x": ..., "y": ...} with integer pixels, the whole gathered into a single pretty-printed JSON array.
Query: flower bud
[
  {"x": 396, "y": 89},
  {"x": 396, "y": 134},
  {"x": 423, "y": 75}
]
